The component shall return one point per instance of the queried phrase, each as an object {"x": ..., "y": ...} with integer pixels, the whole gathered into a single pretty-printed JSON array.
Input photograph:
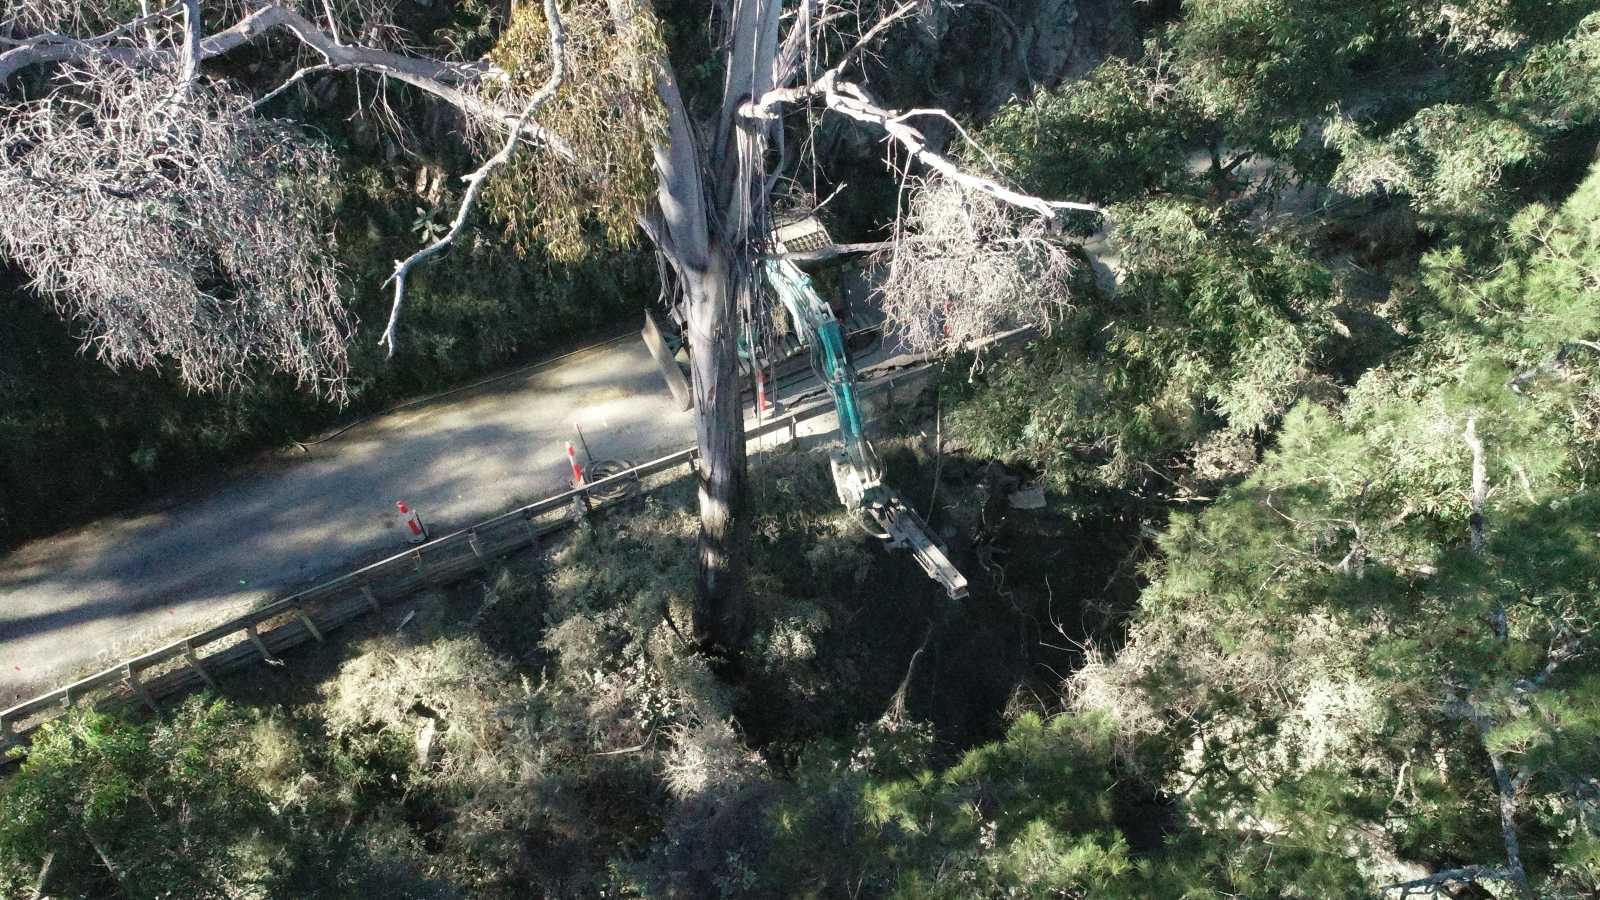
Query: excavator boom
[{"x": 857, "y": 471}]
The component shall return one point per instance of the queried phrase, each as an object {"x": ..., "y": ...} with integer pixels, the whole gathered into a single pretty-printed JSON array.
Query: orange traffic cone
[
  {"x": 416, "y": 532},
  {"x": 577, "y": 468},
  {"x": 762, "y": 403}
]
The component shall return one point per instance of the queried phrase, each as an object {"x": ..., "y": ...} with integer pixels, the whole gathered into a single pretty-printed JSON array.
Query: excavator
[{"x": 857, "y": 470}]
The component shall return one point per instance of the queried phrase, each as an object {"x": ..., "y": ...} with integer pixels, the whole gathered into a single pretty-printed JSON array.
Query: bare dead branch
[
  {"x": 193, "y": 232},
  {"x": 898, "y": 14},
  {"x": 145, "y": 22},
  {"x": 968, "y": 265},
  {"x": 333, "y": 23},
  {"x": 476, "y": 179},
  {"x": 965, "y": 135},
  {"x": 453, "y": 82},
  {"x": 61, "y": 18},
  {"x": 852, "y": 101},
  {"x": 299, "y": 75},
  {"x": 190, "y": 54}
]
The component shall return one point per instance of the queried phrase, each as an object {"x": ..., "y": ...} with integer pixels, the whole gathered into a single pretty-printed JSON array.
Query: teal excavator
[{"x": 857, "y": 471}]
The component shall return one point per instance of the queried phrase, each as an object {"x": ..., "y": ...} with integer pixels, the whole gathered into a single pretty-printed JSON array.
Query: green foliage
[
  {"x": 1540, "y": 293},
  {"x": 1450, "y": 106},
  {"x": 150, "y": 811},
  {"x": 1030, "y": 815},
  {"x": 1322, "y": 662},
  {"x": 1211, "y": 327},
  {"x": 1560, "y": 81},
  {"x": 1449, "y": 159},
  {"x": 1518, "y": 79},
  {"x": 1270, "y": 61},
  {"x": 608, "y": 111},
  {"x": 1120, "y": 132},
  {"x": 1355, "y": 528}
]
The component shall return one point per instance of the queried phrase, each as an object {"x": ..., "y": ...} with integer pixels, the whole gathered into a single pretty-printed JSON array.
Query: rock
[
  {"x": 428, "y": 748},
  {"x": 1030, "y": 497}
]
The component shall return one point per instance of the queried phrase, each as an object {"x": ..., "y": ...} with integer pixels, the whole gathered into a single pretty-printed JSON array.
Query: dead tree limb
[
  {"x": 190, "y": 53},
  {"x": 1505, "y": 790},
  {"x": 852, "y": 101},
  {"x": 476, "y": 179},
  {"x": 452, "y": 82},
  {"x": 300, "y": 75}
]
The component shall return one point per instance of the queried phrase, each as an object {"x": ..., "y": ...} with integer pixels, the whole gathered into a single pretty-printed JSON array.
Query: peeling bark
[{"x": 721, "y": 618}]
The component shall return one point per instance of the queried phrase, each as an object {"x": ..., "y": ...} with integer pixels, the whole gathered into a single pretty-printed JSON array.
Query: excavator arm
[{"x": 857, "y": 471}]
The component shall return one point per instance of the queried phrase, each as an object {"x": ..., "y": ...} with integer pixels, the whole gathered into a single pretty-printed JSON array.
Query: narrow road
[{"x": 80, "y": 600}]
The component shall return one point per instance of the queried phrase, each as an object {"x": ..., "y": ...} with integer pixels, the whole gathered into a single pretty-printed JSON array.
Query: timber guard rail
[{"x": 261, "y": 634}]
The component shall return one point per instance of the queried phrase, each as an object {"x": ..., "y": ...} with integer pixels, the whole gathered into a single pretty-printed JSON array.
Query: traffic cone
[
  {"x": 416, "y": 532},
  {"x": 577, "y": 468},
  {"x": 762, "y": 404}
]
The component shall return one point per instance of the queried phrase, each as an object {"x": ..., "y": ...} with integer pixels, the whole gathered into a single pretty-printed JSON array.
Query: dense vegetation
[
  {"x": 1310, "y": 615},
  {"x": 1349, "y": 371}
]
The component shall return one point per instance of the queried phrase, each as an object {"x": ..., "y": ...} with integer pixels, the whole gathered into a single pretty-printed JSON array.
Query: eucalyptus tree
[{"x": 146, "y": 163}]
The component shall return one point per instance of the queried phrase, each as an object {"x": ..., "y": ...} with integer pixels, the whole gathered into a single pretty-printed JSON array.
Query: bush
[{"x": 161, "y": 810}]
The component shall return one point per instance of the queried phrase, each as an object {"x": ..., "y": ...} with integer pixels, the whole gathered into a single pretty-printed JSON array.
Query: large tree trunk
[
  {"x": 724, "y": 174},
  {"x": 720, "y": 616}
]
